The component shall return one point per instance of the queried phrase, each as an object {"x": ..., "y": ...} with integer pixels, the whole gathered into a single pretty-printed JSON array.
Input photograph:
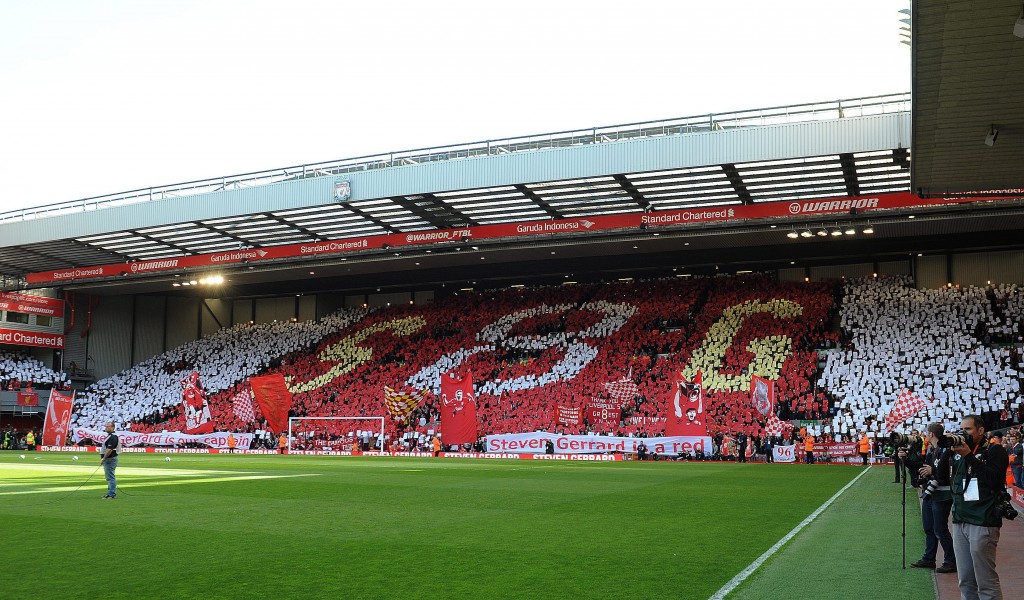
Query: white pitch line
[{"x": 742, "y": 575}]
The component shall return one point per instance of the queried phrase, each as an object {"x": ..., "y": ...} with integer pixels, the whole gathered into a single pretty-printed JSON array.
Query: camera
[
  {"x": 1004, "y": 508},
  {"x": 913, "y": 443},
  {"x": 954, "y": 439},
  {"x": 931, "y": 487}
]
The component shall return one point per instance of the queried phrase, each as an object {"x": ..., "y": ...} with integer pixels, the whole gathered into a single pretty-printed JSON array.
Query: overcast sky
[{"x": 99, "y": 97}]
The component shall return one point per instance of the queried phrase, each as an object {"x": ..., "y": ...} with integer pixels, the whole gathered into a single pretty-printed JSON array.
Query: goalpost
[{"x": 310, "y": 435}]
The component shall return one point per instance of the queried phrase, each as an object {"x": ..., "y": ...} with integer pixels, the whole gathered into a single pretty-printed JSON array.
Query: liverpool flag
[
  {"x": 762, "y": 395},
  {"x": 685, "y": 412},
  {"x": 458, "y": 409},
  {"x": 58, "y": 418},
  {"x": 195, "y": 406}
]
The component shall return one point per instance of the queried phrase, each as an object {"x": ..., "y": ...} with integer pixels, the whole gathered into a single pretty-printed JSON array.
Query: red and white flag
[
  {"x": 241, "y": 404},
  {"x": 274, "y": 398},
  {"x": 777, "y": 427},
  {"x": 567, "y": 415},
  {"x": 401, "y": 404},
  {"x": 458, "y": 409},
  {"x": 762, "y": 395},
  {"x": 907, "y": 405},
  {"x": 58, "y": 418},
  {"x": 623, "y": 390},
  {"x": 685, "y": 411},
  {"x": 195, "y": 406}
]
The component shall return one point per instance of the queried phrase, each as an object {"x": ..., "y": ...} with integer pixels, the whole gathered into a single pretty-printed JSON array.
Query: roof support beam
[
  {"x": 533, "y": 197},
  {"x": 733, "y": 174},
  {"x": 298, "y": 228},
  {"x": 434, "y": 210},
  {"x": 632, "y": 191},
  {"x": 850, "y": 174}
]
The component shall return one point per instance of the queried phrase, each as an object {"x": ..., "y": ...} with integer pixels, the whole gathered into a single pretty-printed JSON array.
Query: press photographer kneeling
[{"x": 932, "y": 478}]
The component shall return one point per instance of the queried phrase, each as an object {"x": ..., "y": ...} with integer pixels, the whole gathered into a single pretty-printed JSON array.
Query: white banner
[
  {"x": 784, "y": 454},
  {"x": 536, "y": 443},
  {"x": 167, "y": 438}
]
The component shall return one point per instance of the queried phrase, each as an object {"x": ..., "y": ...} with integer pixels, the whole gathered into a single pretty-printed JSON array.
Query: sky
[{"x": 103, "y": 96}]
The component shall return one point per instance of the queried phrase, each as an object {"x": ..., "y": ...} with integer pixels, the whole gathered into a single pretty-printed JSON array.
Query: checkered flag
[
  {"x": 777, "y": 427},
  {"x": 401, "y": 404},
  {"x": 623, "y": 390},
  {"x": 907, "y": 405},
  {"x": 241, "y": 404}
]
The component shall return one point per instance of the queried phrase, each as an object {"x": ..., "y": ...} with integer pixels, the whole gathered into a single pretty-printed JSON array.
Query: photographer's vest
[{"x": 983, "y": 510}]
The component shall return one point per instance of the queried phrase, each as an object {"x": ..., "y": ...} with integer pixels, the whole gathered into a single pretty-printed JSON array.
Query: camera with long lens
[
  {"x": 958, "y": 438},
  {"x": 912, "y": 443},
  {"x": 931, "y": 487}
]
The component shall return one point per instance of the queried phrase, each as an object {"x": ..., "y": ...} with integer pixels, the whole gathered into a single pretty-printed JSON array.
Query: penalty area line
[{"x": 742, "y": 575}]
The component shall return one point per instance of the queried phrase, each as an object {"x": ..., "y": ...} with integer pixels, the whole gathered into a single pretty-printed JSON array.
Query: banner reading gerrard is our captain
[{"x": 166, "y": 438}]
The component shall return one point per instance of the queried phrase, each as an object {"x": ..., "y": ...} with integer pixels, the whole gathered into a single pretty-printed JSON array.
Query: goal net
[{"x": 335, "y": 433}]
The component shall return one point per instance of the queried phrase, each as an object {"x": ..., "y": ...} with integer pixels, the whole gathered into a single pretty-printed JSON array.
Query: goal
[{"x": 334, "y": 433}]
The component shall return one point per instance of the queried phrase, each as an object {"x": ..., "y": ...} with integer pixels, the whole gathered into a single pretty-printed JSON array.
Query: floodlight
[{"x": 792, "y": 235}]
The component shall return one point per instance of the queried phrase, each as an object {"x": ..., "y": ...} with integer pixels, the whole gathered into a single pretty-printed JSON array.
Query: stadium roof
[
  {"x": 967, "y": 79},
  {"x": 748, "y": 159}
]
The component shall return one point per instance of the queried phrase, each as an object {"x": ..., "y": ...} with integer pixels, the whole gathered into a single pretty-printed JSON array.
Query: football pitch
[{"x": 353, "y": 527}]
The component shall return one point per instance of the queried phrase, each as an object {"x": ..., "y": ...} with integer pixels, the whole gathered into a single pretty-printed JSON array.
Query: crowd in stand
[
  {"x": 929, "y": 342},
  {"x": 150, "y": 392},
  {"x": 532, "y": 349},
  {"x": 19, "y": 370}
]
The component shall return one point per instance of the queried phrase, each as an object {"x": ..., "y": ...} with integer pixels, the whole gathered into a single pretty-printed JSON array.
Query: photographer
[
  {"x": 932, "y": 477},
  {"x": 979, "y": 471}
]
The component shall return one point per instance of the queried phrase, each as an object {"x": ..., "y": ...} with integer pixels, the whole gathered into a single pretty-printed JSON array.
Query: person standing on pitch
[
  {"x": 936, "y": 499},
  {"x": 110, "y": 448},
  {"x": 979, "y": 471}
]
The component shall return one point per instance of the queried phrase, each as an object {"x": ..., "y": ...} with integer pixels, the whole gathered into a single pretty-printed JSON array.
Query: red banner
[
  {"x": 605, "y": 414},
  {"x": 58, "y": 418},
  {"x": 33, "y": 305},
  {"x": 566, "y": 415},
  {"x": 28, "y": 397},
  {"x": 274, "y": 398},
  {"x": 837, "y": 449},
  {"x": 685, "y": 412},
  {"x": 18, "y": 337},
  {"x": 195, "y": 406},
  {"x": 458, "y": 410},
  {"x": 580, "y": 225}
]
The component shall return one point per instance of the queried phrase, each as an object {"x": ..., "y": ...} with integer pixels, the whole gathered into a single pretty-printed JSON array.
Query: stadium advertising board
[
  {"x": 536, "y": 442},
  {"x": 32, "y": 305},
  {"x": 579, "y": 225},
  {"x": 17, "y": 337}
]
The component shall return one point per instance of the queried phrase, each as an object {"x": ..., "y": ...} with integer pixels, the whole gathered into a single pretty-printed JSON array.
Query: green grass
[{"x": 436, "y": 528}]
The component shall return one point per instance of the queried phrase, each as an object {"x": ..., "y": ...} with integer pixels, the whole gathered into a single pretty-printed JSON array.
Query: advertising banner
[
  {"x": 580, "y": 225},
  {"x": 17, "y": 337},
  {"x": 32, "y": 305}
]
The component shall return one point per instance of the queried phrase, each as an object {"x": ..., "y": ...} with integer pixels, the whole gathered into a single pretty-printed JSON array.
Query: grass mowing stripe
[
  {"x": 851, "y": 552},
  {"x": 742, "y": 575},
  {"x": 420, "y": 528}
]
